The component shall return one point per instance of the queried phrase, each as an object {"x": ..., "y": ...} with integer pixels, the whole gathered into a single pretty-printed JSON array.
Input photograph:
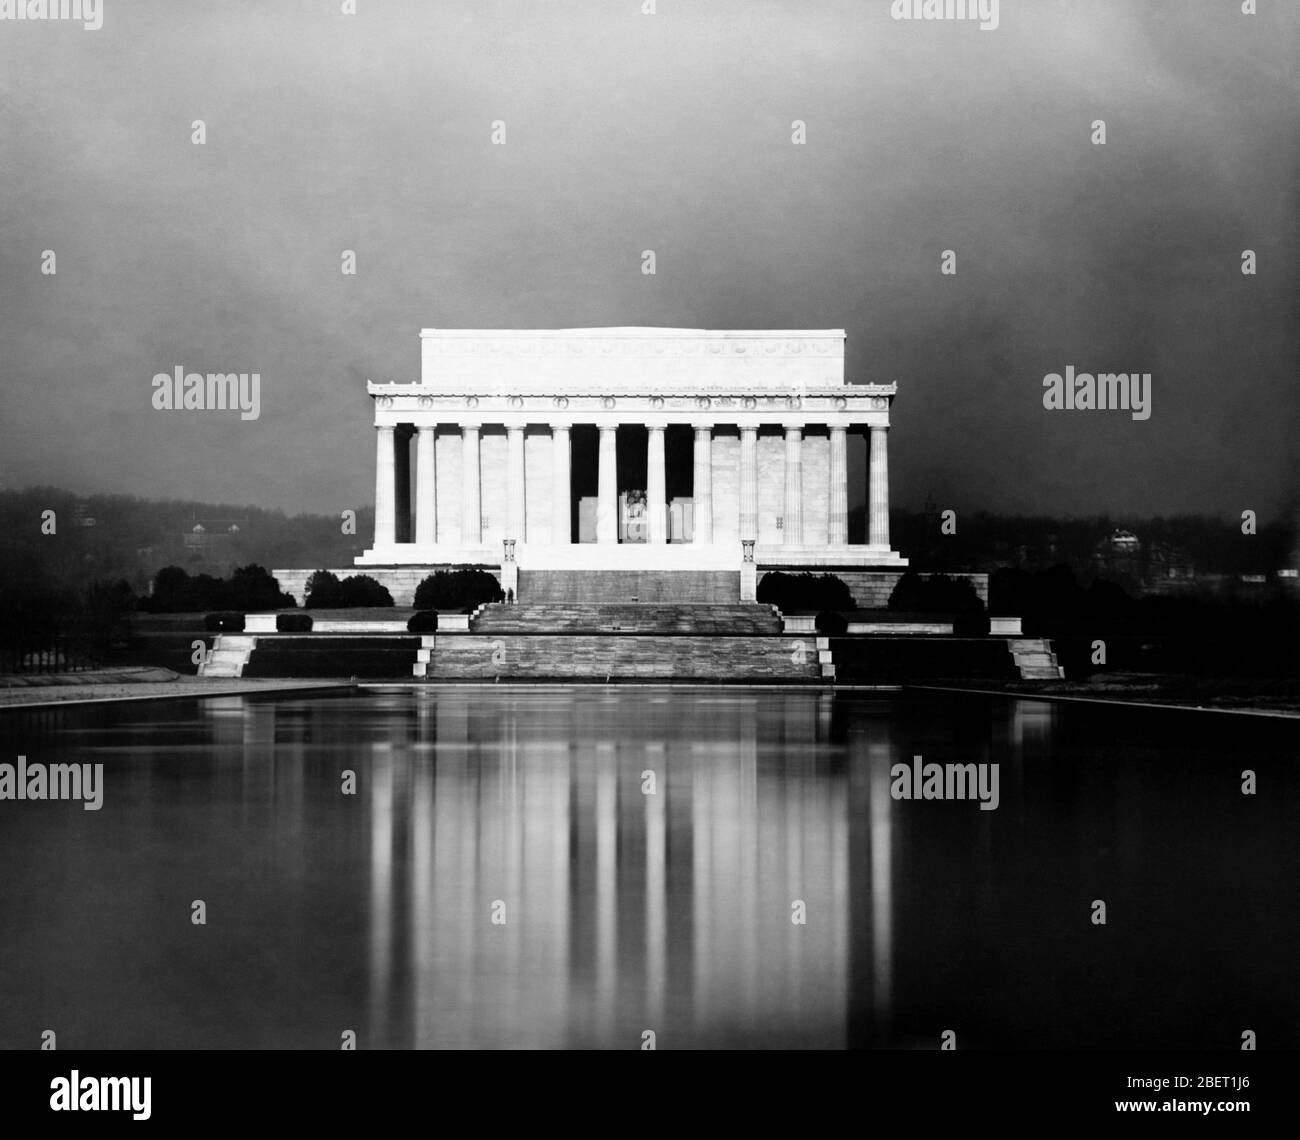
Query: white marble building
[{"x": 480, "y": 451}]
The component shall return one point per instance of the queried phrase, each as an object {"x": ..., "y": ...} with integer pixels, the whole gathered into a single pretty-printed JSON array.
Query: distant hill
[{"x": 121, "y": 536}]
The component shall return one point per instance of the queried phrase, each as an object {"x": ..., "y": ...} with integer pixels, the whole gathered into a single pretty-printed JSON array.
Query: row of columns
[{"x": 387, "y": 504}]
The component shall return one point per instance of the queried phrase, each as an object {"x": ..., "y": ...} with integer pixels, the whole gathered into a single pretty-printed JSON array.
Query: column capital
[
  {"x": 566, "y": 426},
  {"x": 791, "y": 428},
  {"x": 703, "y": 425},
  {"x": 470, "y": 426},
  {"x": 655, "y": 425}
]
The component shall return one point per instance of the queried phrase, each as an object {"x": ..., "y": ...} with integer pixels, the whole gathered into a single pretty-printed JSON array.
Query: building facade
[{"x": 475, "y": 462}]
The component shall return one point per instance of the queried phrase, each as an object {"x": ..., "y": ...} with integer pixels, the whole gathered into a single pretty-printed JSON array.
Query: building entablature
[{"x": 864, "y": 405}]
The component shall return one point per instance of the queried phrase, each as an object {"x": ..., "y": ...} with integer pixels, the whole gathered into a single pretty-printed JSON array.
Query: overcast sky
[{"x": 669, "y": 132}]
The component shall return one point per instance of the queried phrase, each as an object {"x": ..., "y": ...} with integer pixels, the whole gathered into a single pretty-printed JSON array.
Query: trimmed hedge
[
  {"x": 293, "y": 623},
  {"x": 457, "y": 590},
  {"x": 224, "y": 623},
  {"x": 250, "y": 588},
  {"x": 423, "y": 621},
  {"x": 325, "y": 592},
  {"x": 805, "y": 591},
  {"x": 937, "y": 594}
]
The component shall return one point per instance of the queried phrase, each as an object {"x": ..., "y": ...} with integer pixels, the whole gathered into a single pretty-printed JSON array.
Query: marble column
[
  {"x": 878, "y": 488},
  {"x": 656, "y": 483},
  {"x": 402, "y": 491},
  {"x": 561, "y": 495},
  {"x": 515, "y": 483},
  {"x": 702, "y": 486},
  {"x": 607, "y": 486},
  {"x": 471, "y": 509},
  {"x": 792, "y": 528},
  {"x": 426, "y": 519},
  {"x": 748, "y": 483},
  {"x": 837, "y": 530},
  {"x": 385, "y": 487}
]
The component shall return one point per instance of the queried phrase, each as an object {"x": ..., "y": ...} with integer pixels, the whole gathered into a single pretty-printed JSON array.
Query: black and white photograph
[{"x": 708, "y": 527}]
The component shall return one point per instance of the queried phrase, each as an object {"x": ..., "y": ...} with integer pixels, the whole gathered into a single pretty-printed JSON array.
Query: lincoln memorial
[{"x": 628, "y": 449}]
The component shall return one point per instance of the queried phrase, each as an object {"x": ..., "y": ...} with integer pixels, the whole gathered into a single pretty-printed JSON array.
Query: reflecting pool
[{"x": 513, "y": 867}]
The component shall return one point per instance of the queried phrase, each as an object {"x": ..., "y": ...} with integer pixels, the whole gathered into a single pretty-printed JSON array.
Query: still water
[{"x": 551, "y": 867}]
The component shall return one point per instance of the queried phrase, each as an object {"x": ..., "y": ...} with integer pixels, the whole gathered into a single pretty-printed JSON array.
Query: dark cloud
[{"x": 669, "y": 132}]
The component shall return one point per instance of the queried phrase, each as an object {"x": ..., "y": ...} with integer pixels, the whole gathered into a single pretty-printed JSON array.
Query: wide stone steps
[
  {"x": 614, "y": 656},
  {"x": 1035, "y": 659},
  {"x": 228, "y": 656},
  {"x": 740, "y": 619},
  {"x": 620, "y": 586}
]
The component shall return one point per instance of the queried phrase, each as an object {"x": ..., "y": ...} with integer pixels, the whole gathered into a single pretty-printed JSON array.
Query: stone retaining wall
[
  {"x": 871, "y": 588},
  {"x": 400, "y": 581}
]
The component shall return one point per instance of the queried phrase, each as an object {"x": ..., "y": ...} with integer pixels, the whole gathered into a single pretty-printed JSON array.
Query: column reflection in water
[
  {"x": 423, "y": 1013},
  {"x": 656, "y": 882},
  {"x": 880, "y": 760},
  {"x": 869, "y": 844},
  {"x": 606, "y": 885},
  {"x": 381, "y": 887}
]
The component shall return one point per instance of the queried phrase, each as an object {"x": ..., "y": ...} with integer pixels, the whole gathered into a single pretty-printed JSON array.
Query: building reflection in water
[{"x": 572, "y": 868}]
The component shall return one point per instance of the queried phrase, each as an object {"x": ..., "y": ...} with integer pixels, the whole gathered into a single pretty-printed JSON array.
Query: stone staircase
[
  {"x": 228, "y": 655},
  {"x": 602, "y": 656},
  {"x": 1035, "y": 659},
  {"x": 617, "y": 586},
  {"x": 738, "y": 619}
]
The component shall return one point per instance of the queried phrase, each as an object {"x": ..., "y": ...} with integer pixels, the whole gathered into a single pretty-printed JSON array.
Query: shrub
[
  {"x": 171, "y": 589},
  {"x": 251, "y": 587},
  {"x": 363, "y": 590},
  {"x": 224, "y": 623},
  {"x": 832, "y": 624},
  {"x": 293, "y": 623},
  {"x": 325, "y": 592},
  {"x": 804, "y": 592},
  {"x": 937, "y": 594},
  {"x": 174, "y": 591},
  {"x": 322, "y": 592},
  {"x": 457, "y": 590},
  {"x": 423, "y": 621}
]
